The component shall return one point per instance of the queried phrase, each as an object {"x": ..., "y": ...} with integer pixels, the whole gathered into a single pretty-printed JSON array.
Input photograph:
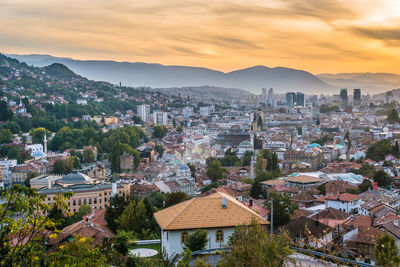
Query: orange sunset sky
[{"x": 313, "y": 35}]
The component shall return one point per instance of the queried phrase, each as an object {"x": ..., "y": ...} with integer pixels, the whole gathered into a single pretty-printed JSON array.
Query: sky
[{"x": 314, "y": 35}]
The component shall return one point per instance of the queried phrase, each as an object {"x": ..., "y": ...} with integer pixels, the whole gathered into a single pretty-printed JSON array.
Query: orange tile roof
[
  {"x": 346, "y": 197},
  {"x": 273, "y": 182},
  {"x": 206, "y": 212}
]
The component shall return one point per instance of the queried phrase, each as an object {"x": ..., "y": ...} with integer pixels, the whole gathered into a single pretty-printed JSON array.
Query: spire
[
  {"x": 45, "y": 142},
  {"x": 113, "y": 186}
]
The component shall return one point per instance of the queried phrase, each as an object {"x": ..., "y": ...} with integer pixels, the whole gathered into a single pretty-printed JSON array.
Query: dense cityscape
[
  {"x": 139, "y": 168},
  {"x": 188, "y": 133}
]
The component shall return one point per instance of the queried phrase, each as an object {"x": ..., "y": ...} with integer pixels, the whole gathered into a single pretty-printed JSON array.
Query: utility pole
[{"x": 272, "y": 215}]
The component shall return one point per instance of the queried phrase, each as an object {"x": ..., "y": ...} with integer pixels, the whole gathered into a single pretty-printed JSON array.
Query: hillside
[{"x": 161, "y": 76}]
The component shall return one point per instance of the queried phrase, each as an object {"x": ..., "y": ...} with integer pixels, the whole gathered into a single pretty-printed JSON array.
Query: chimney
[
  {"x": 223, "y": 203},
  {"x": 396, "y": 223},
  {"x": 251, "y": 203}
]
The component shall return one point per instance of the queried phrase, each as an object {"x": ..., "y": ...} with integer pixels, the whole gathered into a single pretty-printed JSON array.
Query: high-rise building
[
  {"x": 144, "y": 112},
  {"x": 357, "y": 97},
  {"x": 160, "y": 118},
  {"x": 264, "y": 96},
  {"x": 343, "y": 98},
  {"x": 290, "y": 99},
  {"x": 271, "y": 96},
  {"x": 300, "y": 101},
  {"x": 187, "y": 112}
]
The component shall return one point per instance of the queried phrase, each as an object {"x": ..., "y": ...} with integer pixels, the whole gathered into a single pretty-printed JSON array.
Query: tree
[
  {"x": 65, "y": 166},
  {"x": 79, "y": 252},
  {"x": 253, "y": 246},
  {"x": 192, "y": 169},
  {"x": 256, "y": 190},
  {"x": 382, "y": 178},
  {"x": 379, "y": 150},
  {"x": 260, "y": 122},
  {"x": 283, "y": 208},
  {"x": 159, "y": 131},
  {"x": 28, "y": 248},
  {"x": 174, "y": 198},
  {"x": 31, "y": 174},
  {"x": 386, "y": 251},
  {"x": 5, "y": 112},
  {"x": 179, "y": 129},
  {"x": 121, "y": 242},
  {"x": 259, "y": 164},
  {"x": 38, "y": 135},
  {"x": 117, "y": 150},
  {"x": 114, "y": 209},
  {"x": 396, "y": 149},
  {"x": 5, "y": 136},
  {"x": 215, "y": 171},
  {"x": 197, "y": 240},
  {"x": 365, "y": 185},
  {"x": 209, "y": 187},
  {"x": 246, "y": 160},
  {"x": 134, "y": 217},
  {"x": 88, "y": 155},
  {"x": 393, "y": 116},
  {"x": 159, "y": 149}
]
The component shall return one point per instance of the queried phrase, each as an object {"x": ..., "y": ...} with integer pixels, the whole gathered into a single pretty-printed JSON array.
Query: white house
[
  {"x": 217, "y": 213},
  {"x": 346, "y": 202}
]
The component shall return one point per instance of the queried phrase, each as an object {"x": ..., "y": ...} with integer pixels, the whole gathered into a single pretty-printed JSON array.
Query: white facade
[
  {"x": 171, "y": 241},
  {"x": 187, "y": 112},
  {"x": 144, "y": 112},
  {"x": 346, "y": 206},
  {"x": 204, "y": 111},
  {"x": 34, "y": 148},
  {"x": 160, "y": 118},
  {"x": 81, "y": 102}
]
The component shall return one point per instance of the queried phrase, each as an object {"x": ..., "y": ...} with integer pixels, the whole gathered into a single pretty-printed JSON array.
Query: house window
[
  {"x": 74, "y": 202},
  {"x": 219, "y": 236},
  {"x": 79, "y": 202},
  {"x": 184, "y": 237},
  {"x": 84, "y": 201}
]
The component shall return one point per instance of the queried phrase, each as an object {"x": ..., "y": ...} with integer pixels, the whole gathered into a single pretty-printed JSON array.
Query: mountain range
[{"x": 138, "y": 74}]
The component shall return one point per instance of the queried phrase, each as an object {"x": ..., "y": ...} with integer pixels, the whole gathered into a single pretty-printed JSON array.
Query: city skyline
[{"x": 317, "y": 36}]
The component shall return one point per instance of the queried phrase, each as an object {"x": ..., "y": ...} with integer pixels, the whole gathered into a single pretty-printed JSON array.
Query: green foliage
[
  {"x": 14, "y": 152},
  {"x": 5, "y": 136},
  {"x": 159, "y": 149},
  {"x": 28, "y": 248},
  {"x": 382, "y": 178},
  {"x": 121, "y": 241},
  {"x": 260, "y": 122},
  {"x": 215, "y": 171},
  {"x": 197, "y": 240},
  {"x": 174, "y": 198},
  {"x": 114, "y": 209},
  {"x": 253, "y": 246},
  {"x": 65, "y": 166},
  {"x": 134, "y": 217},
  {"x": 38, "y": 135},
  {"x": 393, "y": 116},
  {"x": 365, "y": 170},
  {"x": 327, "y": 108},
  {"x": 365, "y": 185},
  {"x": 256, "y": 190},
  {"x": 283, "y": 207},
  {"x": 5, "y": 112},
  {"x": 159, "y": 131},
  {"x": 322, "y": 189},
  {"x": 386, "y": 252},
  {"x": 88, "y": 155},
  {"x": 246, "y": 159},
  {"x": 79, "y": 252},
  {"x": 209, "y": 187},
  {"x": 117, "y": 150},
  {"x": 379, "y": 150}
]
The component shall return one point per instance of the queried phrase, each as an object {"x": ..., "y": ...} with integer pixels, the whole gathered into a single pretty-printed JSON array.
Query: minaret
[
  {"x": 114, "y": 186},
  {"x": 45, "y": 143},
  {"x": 252, "y": 167}
]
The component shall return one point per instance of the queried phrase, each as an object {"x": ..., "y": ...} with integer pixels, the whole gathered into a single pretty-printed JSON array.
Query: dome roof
[
  {"x": 37, "y": 154},
  {"x": 75, "y": 177},
  {"x": 245, "y": 143}
]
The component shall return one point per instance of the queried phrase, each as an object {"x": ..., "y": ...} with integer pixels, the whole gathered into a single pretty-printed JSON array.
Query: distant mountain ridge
[{"x": 161, "y": 76}]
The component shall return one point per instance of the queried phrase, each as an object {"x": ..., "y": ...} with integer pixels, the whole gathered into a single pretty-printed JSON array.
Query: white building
[
  {"x": 187, "y": 112},
  {"x": 217, "y": 213},
  {"x": 204, "y": 111},
  {"x": 346, "y": 202},
  {"x": 160, "y": 118},
  {"x": 6, "y": 166},
  {"x": 81, "y": 102},
  {"x": 144, "y": 112}
]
